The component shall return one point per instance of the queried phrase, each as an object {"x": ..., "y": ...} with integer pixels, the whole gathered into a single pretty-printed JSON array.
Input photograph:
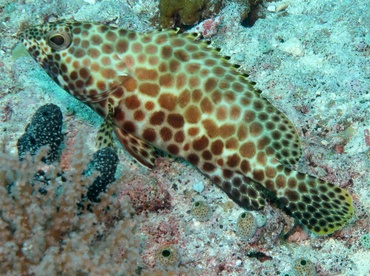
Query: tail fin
[{"x": 319, "y": 205}]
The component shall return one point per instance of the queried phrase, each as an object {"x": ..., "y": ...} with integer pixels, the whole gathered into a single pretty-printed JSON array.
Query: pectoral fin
[
  {"x": 104, "y": 136},
  {"x": 138, "y": 149}
]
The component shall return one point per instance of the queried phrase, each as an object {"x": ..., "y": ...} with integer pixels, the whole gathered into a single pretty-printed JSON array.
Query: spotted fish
[{"x": 172, "y": 92}]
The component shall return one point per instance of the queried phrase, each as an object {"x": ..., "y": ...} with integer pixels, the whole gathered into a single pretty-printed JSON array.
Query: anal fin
[
  {"x": 246, "y": 192},
  {"x": 138, "y": 149},
  {"x": 254, "y": 193}
]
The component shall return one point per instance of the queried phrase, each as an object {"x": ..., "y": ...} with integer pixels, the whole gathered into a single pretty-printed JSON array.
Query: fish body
[{"x": 169, "y": 91}]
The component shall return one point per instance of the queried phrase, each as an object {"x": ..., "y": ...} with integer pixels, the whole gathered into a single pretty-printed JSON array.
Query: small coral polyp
[
  {"x": 246, "y": 226},
  {"x": 365, "y": 241},
  {"x": 304, "y": 267},
  {"x": 167, "y": 256},
  {"x": 201, "y": 211}
]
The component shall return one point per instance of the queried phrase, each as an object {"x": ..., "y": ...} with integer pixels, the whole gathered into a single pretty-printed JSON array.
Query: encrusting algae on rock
[
  {"x": 186, "y": 12},
  {"x": 166, "y": 90}
]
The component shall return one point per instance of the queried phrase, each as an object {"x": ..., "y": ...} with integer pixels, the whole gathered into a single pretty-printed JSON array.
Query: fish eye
[{"x": 59, "y": 40}]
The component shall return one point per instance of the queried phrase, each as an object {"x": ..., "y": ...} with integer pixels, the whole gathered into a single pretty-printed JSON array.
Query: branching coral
[{"x": 46, "y": 232}]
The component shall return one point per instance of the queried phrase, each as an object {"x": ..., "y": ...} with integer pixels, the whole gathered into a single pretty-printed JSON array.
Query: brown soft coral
[{"x": 182, "y": 13}]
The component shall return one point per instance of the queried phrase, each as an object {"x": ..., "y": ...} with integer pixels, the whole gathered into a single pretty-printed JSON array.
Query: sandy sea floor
[{"x": 311, "y": 59}]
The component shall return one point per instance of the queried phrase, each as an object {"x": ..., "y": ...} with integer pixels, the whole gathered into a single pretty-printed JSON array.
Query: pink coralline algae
[
  {"x": 147, "y": 194},
  {"x": 209, "y": 27},
  {"x": 367, "y": 137}
]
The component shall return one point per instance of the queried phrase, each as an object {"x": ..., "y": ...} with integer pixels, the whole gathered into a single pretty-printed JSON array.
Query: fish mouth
[
  {"x": 18, "y": 35},
  {"x": 21, "y": 36},
  {"x": 32, "y": 46},
  {"x": 24, "y": 36}
]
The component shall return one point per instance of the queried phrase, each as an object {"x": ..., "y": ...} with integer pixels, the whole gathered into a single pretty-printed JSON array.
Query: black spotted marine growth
[
  {"x": 45, "y": 129},
  {"x": 105, "y": 162}
]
